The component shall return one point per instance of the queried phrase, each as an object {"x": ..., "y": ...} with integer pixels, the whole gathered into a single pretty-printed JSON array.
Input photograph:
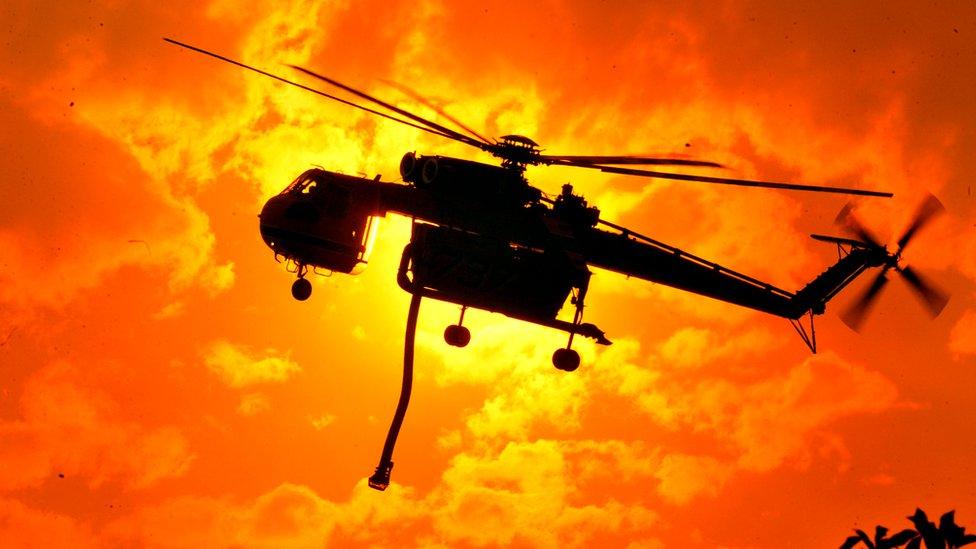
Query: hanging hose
[{"x": 381, "y": 478}]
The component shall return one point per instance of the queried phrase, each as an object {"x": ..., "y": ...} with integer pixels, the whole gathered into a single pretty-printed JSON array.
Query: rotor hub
[
  {"x": 892, "y": 260},
  {"x": 516, "y": 151}
]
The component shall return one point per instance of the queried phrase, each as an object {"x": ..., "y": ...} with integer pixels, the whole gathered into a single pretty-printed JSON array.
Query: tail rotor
[{"x": 933, "y": 298}]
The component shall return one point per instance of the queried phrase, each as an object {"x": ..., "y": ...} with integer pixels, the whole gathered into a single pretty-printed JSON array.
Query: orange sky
[{"x": 151, "y": 354}]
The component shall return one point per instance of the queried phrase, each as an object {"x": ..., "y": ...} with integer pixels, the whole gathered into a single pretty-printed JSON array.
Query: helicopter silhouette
[{"x": 482, "y": 237}]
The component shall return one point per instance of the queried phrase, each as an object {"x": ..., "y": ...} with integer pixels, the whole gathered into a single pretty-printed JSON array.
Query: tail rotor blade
[
  {"x": 855, "y": 314},
  {"x": 930, "y": 208},
  {"x": 847, "y": 220},
  {"x": 934, "y": 299}
]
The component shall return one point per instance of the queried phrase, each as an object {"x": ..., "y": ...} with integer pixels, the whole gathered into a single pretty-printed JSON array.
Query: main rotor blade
[
  {"x": 302, "y": 86},
  {"x": 846, "y": 219},
  {"x": 855, "y": 314},
  {"x": 926, "y": 211},
  {"x": 427, "y": 103},
  {"x": 588, "y": 161},
  {"x": 447, "y": 132},
  {"x": 934, "y": 299},
  {"x": 739, "y": 182}
]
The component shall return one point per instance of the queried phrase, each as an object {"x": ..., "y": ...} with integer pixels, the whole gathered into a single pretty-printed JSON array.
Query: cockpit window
[{"x": 306, "y": 182}]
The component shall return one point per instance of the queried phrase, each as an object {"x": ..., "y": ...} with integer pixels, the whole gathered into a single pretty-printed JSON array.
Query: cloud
[
  {"x": 238, "y": 367},
  {"x": 23, "y": 526},
  {"x": 514, "y": 360},
  {"x": 71, "y": 430},
  {"x": 322, "y": 421},
  {"x": 767, "y": 419},
  {"x": 683, "y": 477},
  {"x": 766, "y": 416},
  {"x": 772, "y": 420},
  {"x": 962, "y": 338},
  {"x": 597, "y": 461},
  {"x": 287, "y": 516},
  {"x": 484, "y": 501},
  {"x": 292, "y": 516},
  {"x": 66, "y": 224},
  {"x": 696, "y": 347},
  {"x": 253, "y": 404},
  {"x": 525, "y": 495},
  {"x": 170, "y": 310}
]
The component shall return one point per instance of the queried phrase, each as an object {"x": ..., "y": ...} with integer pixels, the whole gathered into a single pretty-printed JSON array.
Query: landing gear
[
  {"x": 301, "y": 289},
  {"x": 566, "y": 360},
  {"x": 457, "y": 335}
]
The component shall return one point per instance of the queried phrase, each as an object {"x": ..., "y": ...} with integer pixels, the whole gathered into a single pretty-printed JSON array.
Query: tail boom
[
  {"x": 641, "y": 257},
  {"x": 815, "y": 295}
]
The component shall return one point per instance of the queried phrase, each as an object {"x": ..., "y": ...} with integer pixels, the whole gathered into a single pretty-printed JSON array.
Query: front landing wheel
[{"x": 301, "y": 289}]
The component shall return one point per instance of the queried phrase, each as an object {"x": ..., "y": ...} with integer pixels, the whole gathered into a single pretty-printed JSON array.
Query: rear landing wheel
[
  {"x": 566, "y": 360},
  {"x": 457, "y": 336},
  {"x": 301, "y": 289}
]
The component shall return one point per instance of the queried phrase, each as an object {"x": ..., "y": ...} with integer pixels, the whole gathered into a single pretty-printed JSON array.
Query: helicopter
[{"x": 483, "y": 237}]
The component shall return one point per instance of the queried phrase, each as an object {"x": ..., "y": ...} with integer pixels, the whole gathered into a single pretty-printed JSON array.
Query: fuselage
[{"x": 496, "y": 249}]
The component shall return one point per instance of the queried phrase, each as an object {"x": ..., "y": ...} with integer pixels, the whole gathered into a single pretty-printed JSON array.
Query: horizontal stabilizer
[{"x": 839, "y": 240}]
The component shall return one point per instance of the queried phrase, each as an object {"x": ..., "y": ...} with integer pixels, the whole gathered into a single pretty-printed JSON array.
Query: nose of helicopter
[
  {"x": 298, "y": 227},
  {"x": 282, "y": 219},
  {"x": 268, "y": 219}
]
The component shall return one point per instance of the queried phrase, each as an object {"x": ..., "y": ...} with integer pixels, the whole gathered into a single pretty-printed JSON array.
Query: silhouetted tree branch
[{"x": 948, "y": 535}]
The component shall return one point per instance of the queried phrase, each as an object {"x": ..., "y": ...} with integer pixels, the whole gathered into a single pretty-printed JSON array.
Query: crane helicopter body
[{"x": 483, "y": 237}]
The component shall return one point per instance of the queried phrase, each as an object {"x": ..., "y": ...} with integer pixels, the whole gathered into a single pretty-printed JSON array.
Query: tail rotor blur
[
  {"x": 933, "y": 298},
  {"x": 856, "y": 313}
]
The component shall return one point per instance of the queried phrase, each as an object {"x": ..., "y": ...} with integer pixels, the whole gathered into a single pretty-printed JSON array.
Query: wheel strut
[
  {"x": 301, "y": 289},
  {"x": 567, "y": 359}
]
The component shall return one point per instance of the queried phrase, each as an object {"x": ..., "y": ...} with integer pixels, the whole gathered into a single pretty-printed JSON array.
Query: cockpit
[
  {"x": 306, "y": 182},
  {"x": 320, "y": 221}
]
